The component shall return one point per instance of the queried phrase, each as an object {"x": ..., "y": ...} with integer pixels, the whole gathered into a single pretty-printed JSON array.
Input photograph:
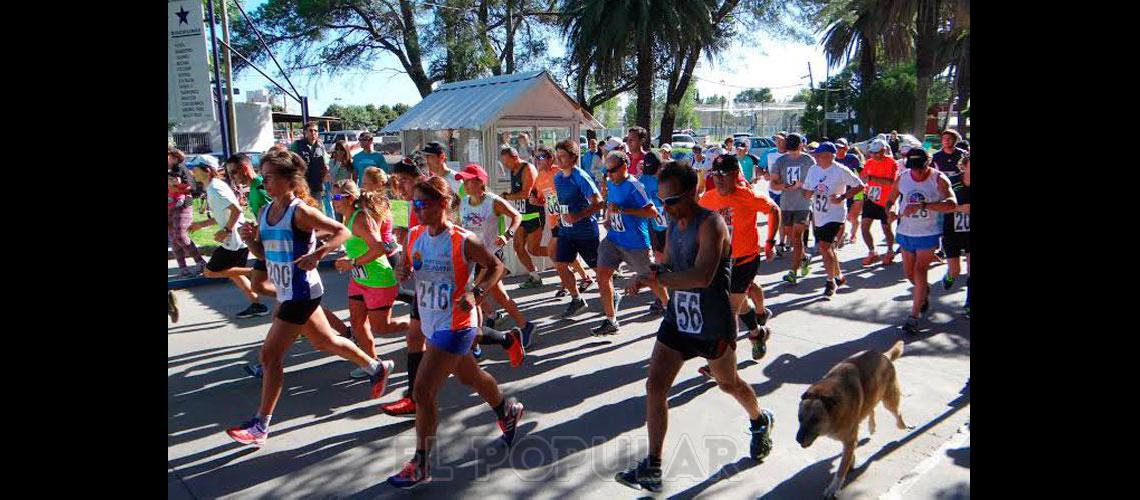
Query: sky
[{"x": 781, "y": 66}]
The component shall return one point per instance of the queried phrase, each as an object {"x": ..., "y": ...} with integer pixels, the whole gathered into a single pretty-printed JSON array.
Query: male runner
[
  {"x": 529, "y": 241},
  {"x": 787, "y": 175},
  {"x": 831, "y": 186},
  {"x": 578, "y": 204},
  {"x": 879, "y": 173},
  {"x": 854, "y": 205},
  {"x": 637, "y": 138},
  {"x": 769, "y": 159},
  {"x": 628, "y": 212},
  {"x": 697, "y": 322},
  {"x": 956, "y": 233}
]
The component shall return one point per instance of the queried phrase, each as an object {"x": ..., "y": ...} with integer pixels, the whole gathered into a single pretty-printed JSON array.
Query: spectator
[
  {"x": 368, "y": 157},
  {"x": 637, "y": 139},
  {"x": 893, "y": 142},
  {"x": 316, "y": 165},
  {"x": 526, "y": 151},
  {"x": 179, "y": 215}
]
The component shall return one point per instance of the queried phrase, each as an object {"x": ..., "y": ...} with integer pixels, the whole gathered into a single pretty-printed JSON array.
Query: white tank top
[
  {"x": 922, "y": 222},
  {"x": 481, "y": 219},
  {"x": 442, "y": 275},
  {"x": 282, "y": 246}
]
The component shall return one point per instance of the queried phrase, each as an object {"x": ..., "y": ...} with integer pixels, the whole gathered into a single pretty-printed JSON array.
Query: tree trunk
[
  {"x": 644, "y": 82},
  {"x": 867, "y": 48},
  {"x": 485, "y": 36},
  {"x": 679, "y": 80},
  {"x": 925, "y": 48},
  {"x": 509, "y": 47},
  {"x": 415, "y": 66},
  {"x": 963, "y": 83}
]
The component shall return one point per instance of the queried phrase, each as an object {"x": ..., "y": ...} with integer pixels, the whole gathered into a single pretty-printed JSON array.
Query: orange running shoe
[{"x": 516, "y": 351}]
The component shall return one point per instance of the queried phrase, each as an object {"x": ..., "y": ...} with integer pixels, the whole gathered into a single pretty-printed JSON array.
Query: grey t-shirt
[{"x": 790, "y": 170}]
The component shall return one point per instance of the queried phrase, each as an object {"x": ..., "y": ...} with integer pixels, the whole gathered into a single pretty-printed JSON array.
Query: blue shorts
[
  {"x": 570, "y": 248},
  {"x": 453, "y": 341},
  {"x": 915, "y": 243}
]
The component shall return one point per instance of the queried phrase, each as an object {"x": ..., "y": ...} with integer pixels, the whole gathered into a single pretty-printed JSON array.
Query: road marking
[{"x": 908, "y": 479}]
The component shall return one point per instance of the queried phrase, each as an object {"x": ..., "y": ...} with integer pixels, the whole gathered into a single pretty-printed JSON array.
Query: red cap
[{"x": 472, "y": 171}]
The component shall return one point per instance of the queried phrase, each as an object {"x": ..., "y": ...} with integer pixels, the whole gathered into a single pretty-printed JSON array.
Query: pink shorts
[{"x": 374, "y": 298}]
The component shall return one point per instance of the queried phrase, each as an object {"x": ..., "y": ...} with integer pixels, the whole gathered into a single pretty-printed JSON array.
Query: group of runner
[{"x": 687, "y": 232}]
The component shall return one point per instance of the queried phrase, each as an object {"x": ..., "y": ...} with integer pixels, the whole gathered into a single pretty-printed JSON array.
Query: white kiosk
[{"x": 474, "y": 118}]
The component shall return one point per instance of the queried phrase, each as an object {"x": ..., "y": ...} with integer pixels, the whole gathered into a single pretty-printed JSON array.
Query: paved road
[{"x": 585, "y": 400}]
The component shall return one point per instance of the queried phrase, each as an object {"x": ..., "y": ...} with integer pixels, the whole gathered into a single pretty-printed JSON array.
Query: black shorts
[
  {"x": 570, "y": 248},
  {"x": 259, "y": 265},
  {"x": 554, "y": 231},
  {"x": 872, "y": 210},
  {"x": 223, "y": 259},
  {"x": 534, "y": 224},
  {"x": 297, "y": 311},
  {"x": 657, "y": 240},
  {"x": 956, "y": 244},
  {"x": 691, "y": 347},
  {"x": 827, "y": 232},
  {"x": 743, "y": 274}
]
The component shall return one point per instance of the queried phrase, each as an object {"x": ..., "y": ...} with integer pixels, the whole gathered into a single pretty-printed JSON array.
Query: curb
[{"x": 179, "y": 284}]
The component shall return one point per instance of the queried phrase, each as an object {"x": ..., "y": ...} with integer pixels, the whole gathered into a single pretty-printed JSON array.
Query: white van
[{"x": 352, "y": 137}]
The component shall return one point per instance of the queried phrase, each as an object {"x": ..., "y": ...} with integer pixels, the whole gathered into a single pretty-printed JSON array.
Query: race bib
[
  {"x": 434, "y": 296},
  {"x": 617, "y": 223},
  {"x": 687, "y": 306},
  {"x": 551, "y": 201},
  {"x": 874, "y": 192},
  {"x": 280, "y": 274},
  {"x": 793, "y": 175},
  {"x": 564, "y": 210},
  {"x": 921, "y": 213},
  {"x": 359, "y": 273},
  {"x": 961, "y": 222},
  {"x": 820, "y": 204},
  {"x": 520, "y": 205}
]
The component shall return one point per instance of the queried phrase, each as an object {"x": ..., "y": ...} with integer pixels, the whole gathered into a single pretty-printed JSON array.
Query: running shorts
[
  {"x": 743, "y": 274},
  {"x": 533, "y": 225},
  {"x": 956, "y": 244},
  {"x": 789, "y": 217},
  {"x": 374, "y": 298},
  {"x": 875, "y": 211},
  {"x": 690, "y": 347},
  {"x": 453, "y": 341},
  {"x": 611, "y": 255},
  {"x": 657, "y": 240},
  {"x": 827, "y": 232},
  {"x": 297, "y": 311},
  {"x": 917, "y": 243},
  {"x": 223, "y": 259},
  {"x": 570, "y": 248},
  {"x": 477, "y": 268}
]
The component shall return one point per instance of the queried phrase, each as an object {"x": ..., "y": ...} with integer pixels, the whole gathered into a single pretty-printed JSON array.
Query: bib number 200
[
  {"x": 281, "y": 274},
  {"x": 688, "y": 309}
]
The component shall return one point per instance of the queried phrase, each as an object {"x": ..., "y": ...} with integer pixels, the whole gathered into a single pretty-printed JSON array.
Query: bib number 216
[
  {"x": 688, "y": 310},
  {"x": 434, "y": 296}
]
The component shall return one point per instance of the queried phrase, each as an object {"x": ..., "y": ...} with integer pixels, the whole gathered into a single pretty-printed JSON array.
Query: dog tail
[{"x": 895, "y": 351}]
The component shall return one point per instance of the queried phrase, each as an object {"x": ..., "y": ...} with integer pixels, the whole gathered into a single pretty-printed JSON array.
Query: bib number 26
[{"x": 688, "y": 309}]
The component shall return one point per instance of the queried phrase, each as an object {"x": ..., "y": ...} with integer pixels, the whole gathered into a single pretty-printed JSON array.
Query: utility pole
[
  {"x": 222, "y": 121},
  {"x": 827, "y": 73},
  {"x": 231, "y": 115}
]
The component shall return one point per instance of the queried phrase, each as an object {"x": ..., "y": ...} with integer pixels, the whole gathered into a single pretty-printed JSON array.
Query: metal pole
[
  {"x": 826, "y": 90},
  {"x": 304, "y": 110},
  {"x": 218, "y": 83},
  {"x": 231, "y": 114}
]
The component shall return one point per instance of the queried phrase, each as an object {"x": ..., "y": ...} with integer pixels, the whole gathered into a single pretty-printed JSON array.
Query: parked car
[
  {"x": 740, "y": 136},
  {"x": 906, "y": 141},
  {"x": 759, "y": 145},
  {"x": 352, "y": 137},
  {"x": 685, "y": 141}
]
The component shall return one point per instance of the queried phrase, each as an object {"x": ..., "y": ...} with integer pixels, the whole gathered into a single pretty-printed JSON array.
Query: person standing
[
  {"x": 367, "y": 157},
  {"x": 180, "y": 213},
  {"x": 879, "y": 174},
  {"x": 578, "y": 204},
  {"x": 628, "y": 212},
  {"x": 436, "y": 157},
  {"x": 893, "y": 142},
  {"x": 923, "y": 191},
  {"x": 698, "y": 321},
  {"x": 313, "y": 152},
  {"x": 787, "y": 175},
  {"x": 829, "y": 187},
  {"x": 590, "y": 157}
]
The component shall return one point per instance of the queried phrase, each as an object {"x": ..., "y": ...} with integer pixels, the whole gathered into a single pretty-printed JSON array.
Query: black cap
[
  {"x": 434, "y": 148},
  {"x": 726, "y": 163},
  {"x": 916, "y": 158}
]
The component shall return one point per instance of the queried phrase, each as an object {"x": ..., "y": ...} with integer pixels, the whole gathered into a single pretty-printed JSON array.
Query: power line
[{"x": 801, "y": 84}]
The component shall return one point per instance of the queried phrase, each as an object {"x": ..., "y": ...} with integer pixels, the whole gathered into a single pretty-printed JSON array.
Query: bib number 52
[{"x": 688, "y": 309}]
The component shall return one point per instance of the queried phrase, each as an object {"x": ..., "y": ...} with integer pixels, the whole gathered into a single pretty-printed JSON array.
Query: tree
[
  {"x": 754, "y": 95},
  {"x": 802, "y": 96},
  {"x": 367, "y": 117}
]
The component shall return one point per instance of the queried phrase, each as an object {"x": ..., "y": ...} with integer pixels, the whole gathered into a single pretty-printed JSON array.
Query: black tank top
[
  {"x": 523, "y": 206},
  {"x": 703, "y": 313}
]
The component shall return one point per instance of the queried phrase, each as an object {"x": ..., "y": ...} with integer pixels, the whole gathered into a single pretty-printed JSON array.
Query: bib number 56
[{"x": 687, "y": 306}]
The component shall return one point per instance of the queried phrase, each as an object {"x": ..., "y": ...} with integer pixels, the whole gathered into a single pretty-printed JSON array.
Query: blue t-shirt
[
  {"x": 628, "y": 231},
  {"x": 573, "y": 197},
  {"x": 649, "y": 182},
  {"x": 362, "y": 160},
  {"x": 588, "y": 160}
]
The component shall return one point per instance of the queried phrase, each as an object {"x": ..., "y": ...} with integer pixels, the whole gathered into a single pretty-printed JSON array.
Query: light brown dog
[{"x": 835, "y": 406}]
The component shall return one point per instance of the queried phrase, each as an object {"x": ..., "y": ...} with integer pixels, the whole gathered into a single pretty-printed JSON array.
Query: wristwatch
[
  {"x": 508, "y": 234},
  {"x": 477, "y": 292}
]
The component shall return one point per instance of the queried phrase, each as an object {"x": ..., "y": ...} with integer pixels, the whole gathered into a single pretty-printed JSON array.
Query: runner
[
  {"x": 578, "y": 204},
  {"x": 375, "y": 180},
  {"x": 769, "y": 159},
  {"x": 738, "y": 206},
  {"x": 180, "y": 213},
  {"x": 787, "y": 175},
  {"x": 919, "y": 231},
  {"x": 830, "y": 185},
  {"x": 701, "y": 166},
  {"x": 879, "y": 174},
  {"x": 289, "y": 247},
  {"x": 697, "y": 322},
  {"x": 435, "y": 155},
  {"x": 529, "y": 241},
  {"x": 628, "y": 212},
  {"x": 659, "y": 224},
  {"x": 230, "y": 258},
  {"x": 637, "y": 139},
  {"x": 479, "y": 213},
  {"x": 438, "y": 262},
  {"x": 548, "y": 196},
  {"x": 956, "y": 233},
  {"x": 372, "y": 289},
  {"x": 852, "y": 161},
  {"x": 946, "y": 160}
]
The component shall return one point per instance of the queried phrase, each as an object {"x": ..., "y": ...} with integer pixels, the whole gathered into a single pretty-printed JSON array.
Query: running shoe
[
  {"x": 706, "y": 371},
  {"x": 889, "y": 258},
  {"x": 380, "y": 379},
  {"x": 870, "y": 258},
  {"x": 250, "y": 311},
  {"x": 253, "y": 369},
  {"x": 657, "y": 307},
  {"x": 531, "y": 283},
  {"x": 911, "y": 325},
  {"x": 172, "y": 306},
  {"x": 250, "y": 432},
  {"x": 762, "y": 319},
  {"x": 760, "y": 342},
  {"x": 494, "y": 319},
  {"x": 516, "y": 352},
  {"x": 790, "y": 277},
  {"x": 585, "y": 284},
  {"x": 926, "y": 302},
  {"x": 641, "y": 477},
  {"x": 358, "y": 373},
  {"x": 947, "y": 281},
  {"x": 577, "y": 305},
  {"x": 413, "y": 474},
  {"x": 829, "y": 288},
  {"x": 509, "y": 423},
  {"x": 805, "y": 267},
  {"x": 617, "y": 301},
  {"x": 477, "y": 352},
  {"x": 561, "y": 293},
  {"x": 779, "y": 251},
  {"x": 606, "y": 328},
  {"x": 527, "y": 333},
  {"x": 401, "y": 407},
  {"x": 761, "y": 443},
  {"x": 840, "y": 281}
]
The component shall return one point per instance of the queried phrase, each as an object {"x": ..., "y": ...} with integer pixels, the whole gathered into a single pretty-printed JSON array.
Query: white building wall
[{"x": 254, "y": 128}]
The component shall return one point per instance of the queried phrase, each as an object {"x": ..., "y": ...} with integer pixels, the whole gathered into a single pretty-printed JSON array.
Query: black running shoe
[
  {"x": 657, "y": 307},
  {"x": 577, "y": 305},
  {"x": 509, "y": 423},
  {"x": 911, "y": 326},
  {"x": 251, "y": 311},
  {"x": 585, "y": 285},
  {"x": 760, "y": 342},
  {"x": 641, "y": 477},
  {"x": 762, "y": 436},
  {"x": 829, "y": 288},
  {"x": 562, "y": 292},
  {"x": 606, "y": 328}
]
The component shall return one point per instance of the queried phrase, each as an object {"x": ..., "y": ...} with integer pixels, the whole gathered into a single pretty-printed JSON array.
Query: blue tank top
[
  {"x": 703, "y": 313},
  {"x": 283, "y": 244}
]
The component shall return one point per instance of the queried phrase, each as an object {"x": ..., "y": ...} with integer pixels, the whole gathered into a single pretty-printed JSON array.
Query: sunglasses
[
  {"x": 542, "y": 157},
  {"x": 723, "y": 173},
  {"x": 422, "y": 204},
  {"x": 672, "y": 200},
  {"x": 339, "y": 197}
]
